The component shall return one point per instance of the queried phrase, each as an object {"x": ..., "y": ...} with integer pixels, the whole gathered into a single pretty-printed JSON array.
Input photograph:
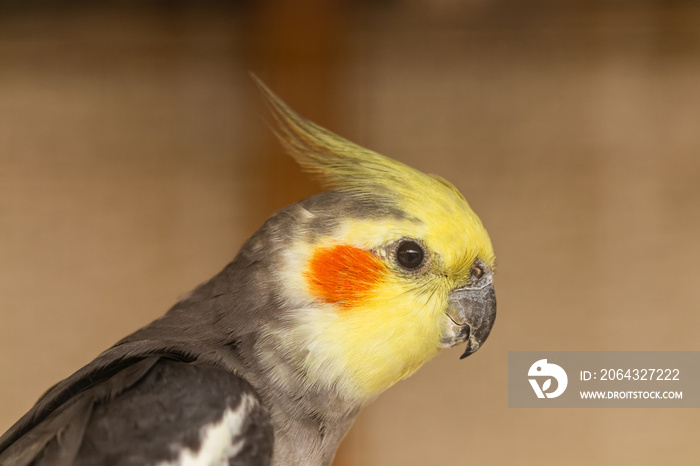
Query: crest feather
[{"x": 339, "y": 163}]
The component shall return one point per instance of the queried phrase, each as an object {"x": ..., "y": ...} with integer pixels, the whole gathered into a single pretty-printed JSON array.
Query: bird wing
[{"x": 153, "y": 410}]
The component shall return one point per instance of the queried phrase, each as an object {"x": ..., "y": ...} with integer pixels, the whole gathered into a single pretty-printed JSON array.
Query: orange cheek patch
[{"x": 343, "y": 274}]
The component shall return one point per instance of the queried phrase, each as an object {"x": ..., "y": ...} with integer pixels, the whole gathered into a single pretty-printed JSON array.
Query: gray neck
[{"x": 237, "y": 313}]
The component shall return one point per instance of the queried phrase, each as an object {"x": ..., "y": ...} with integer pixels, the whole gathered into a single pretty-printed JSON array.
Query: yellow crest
[{"x": 346, "y": 166}]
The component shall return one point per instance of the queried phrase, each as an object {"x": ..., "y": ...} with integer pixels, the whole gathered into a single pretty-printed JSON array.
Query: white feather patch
[{"x": 217, "y": 440}]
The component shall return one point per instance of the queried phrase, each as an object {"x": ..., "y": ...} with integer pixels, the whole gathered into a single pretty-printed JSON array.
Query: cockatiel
[{"x": 333, "y": 300}]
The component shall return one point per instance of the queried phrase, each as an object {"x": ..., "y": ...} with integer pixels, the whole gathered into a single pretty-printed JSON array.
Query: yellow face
[{"x": 380, "y": 289}]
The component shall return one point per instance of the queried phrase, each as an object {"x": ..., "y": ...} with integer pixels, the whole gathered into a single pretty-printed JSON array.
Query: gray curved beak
[{"x": 472, "y": 311}]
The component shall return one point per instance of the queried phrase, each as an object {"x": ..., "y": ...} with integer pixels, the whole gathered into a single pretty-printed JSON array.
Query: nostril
[{"x": 477, "y": 271}]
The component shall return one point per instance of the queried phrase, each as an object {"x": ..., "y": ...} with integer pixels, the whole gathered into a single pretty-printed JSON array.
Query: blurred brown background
[{"x": 134, "y": 161}]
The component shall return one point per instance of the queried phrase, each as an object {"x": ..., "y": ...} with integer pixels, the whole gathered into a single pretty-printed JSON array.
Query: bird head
[{"x": 381, "y": 272}]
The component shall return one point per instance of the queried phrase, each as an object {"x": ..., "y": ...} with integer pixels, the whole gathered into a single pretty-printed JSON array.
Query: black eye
[{"x": 409, "y": 254}]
